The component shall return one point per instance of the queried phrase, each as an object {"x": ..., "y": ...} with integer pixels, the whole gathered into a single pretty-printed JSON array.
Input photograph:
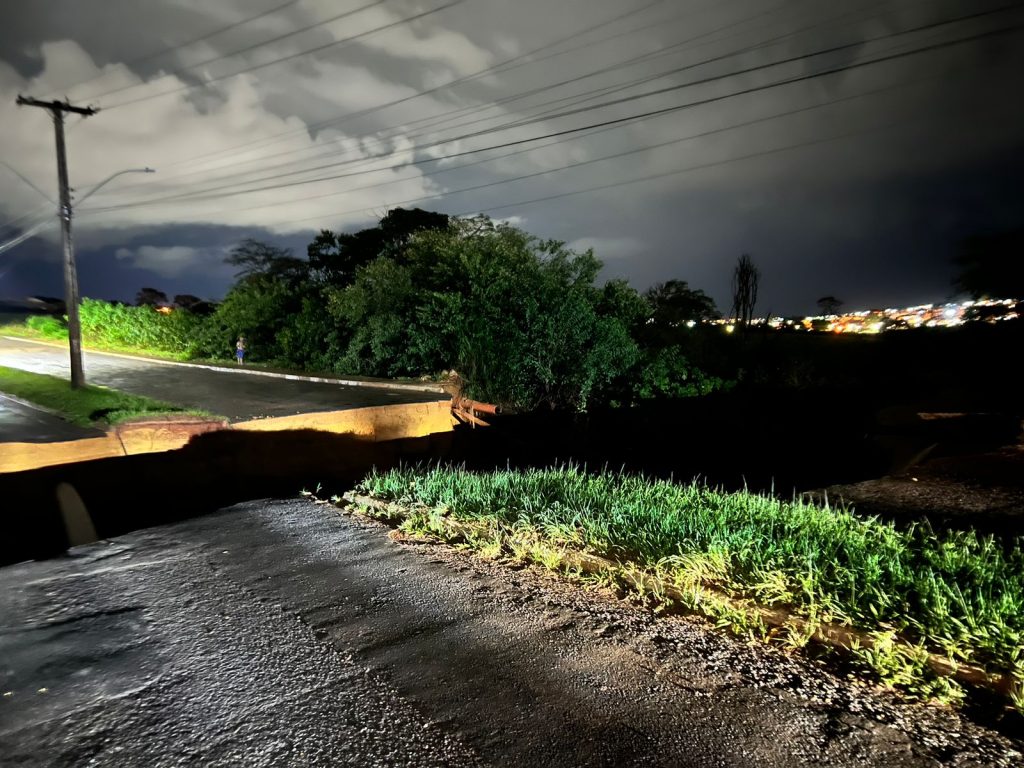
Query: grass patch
[
  {"x": 955, "y": 593},
  {"x": 87, "y": 405}
]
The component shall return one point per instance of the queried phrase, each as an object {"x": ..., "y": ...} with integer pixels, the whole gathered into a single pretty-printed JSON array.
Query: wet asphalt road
[
  {"x": 238, "y": 396},
  {"x": 282, "y": 633},
  {"x": 24, "y": 424}
]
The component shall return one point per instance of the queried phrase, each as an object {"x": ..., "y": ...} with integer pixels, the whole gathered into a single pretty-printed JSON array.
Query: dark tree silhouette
[
  {"x": 335, "y": 257},
  {"x": 829, "y": 305},
  {"x": 992, "y": 266},
  {"x": 150, "y": 297},
  {"x": 262, "y": 260},
  {"x": 744, "y": 290},
  {"x": 186, "y": 300},
  {"x": 674, "y": 302}
]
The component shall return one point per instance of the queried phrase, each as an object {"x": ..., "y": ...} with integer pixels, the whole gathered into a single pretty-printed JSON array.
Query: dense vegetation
[
  {"x": 956, "y": 593},
  {"x": 521, "y": 320}
]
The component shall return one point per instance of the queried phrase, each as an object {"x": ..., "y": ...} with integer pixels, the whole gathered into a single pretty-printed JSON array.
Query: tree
[
  {"x": 674, "y": 302},
  {"x": 186, "y": 301},
  {"x": 992, "y": 266},
  {"x": 335, "y": 257},
  {"x": 263, "y": 304},
  {"x": 744, "y": 290},
  {"x": 150, "y": 297},
  {"x": 258, "y": 260},
  {"x": 519, "y": 318},
  {"x": 829, "y": 305},
  {"x": 399, "y": 225}
]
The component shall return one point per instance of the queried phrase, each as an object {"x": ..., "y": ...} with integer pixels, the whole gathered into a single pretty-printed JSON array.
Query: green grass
[
  {"x": 86, "y": 406},
  {"x": 956, "y": 593}
]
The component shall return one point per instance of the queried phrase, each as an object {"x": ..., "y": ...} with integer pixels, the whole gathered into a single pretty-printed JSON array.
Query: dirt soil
[{"x": 983, "y": 491}]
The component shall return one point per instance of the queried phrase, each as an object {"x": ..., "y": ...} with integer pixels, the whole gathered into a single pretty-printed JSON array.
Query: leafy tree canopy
[
  {"x": 257, "y": 261},
  {"x": 335, "y": 257},
  {"x": 518, "y": 317},
  {"x": 150, "y": 297},
  {"x": 186, "y": 300},
  {"x": 674, "y": 302}
]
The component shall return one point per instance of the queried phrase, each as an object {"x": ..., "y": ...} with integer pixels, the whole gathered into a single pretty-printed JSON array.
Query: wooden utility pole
[{"x": 57, "y": 110}]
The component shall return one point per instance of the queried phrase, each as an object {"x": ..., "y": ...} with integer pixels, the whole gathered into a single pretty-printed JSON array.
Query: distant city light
[{"x": 947, "y": 315}]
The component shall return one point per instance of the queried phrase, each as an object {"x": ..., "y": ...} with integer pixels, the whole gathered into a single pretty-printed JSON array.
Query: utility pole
[{"x": 57, "y": 110}]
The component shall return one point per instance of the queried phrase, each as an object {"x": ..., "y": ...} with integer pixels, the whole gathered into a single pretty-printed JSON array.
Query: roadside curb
[
  {"x": 380, "y": 423},
  {"x": 431, "y": 388}
]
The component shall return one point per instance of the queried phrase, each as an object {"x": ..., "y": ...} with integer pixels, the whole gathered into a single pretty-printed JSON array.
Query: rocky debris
[{"x": 688, "y": 654}]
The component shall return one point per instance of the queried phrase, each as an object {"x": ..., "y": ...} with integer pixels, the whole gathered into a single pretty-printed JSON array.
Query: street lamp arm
[
  {"x": 6, "y": 246},
  {"x": 111, "y": 177}
]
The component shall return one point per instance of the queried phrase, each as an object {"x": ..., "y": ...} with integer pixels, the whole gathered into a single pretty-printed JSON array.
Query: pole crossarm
[{"x": 55, "y": 106}]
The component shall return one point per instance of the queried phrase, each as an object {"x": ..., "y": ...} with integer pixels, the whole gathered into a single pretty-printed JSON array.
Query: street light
[
  {"x": 43, "y": 223},
  {"x": 71, "y": 272},
  {"x": 111, "y": 177}
]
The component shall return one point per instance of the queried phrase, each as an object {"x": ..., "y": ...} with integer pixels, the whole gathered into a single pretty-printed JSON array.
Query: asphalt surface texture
[
  {"x": 286, "y": 633},
  {"x": 235, "y": 394},
  {"x": 21, "y": 423}
]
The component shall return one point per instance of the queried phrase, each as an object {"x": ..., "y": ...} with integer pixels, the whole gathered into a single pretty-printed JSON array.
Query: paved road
[
  {"x": 23, "y": 424},
  {"x": 281, "y": 633},
  {"x": 237, "y": 395}
]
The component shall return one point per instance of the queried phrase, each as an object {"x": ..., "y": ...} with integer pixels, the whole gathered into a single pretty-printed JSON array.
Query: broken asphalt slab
[{"x": 281, "y": 632}]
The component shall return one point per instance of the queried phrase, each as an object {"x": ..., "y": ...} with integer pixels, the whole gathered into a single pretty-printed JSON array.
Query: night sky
[{"x": 858, "y": 182}]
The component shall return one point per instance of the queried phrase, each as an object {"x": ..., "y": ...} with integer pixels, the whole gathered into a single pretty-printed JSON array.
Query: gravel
[{"x": 282, "y": 632}]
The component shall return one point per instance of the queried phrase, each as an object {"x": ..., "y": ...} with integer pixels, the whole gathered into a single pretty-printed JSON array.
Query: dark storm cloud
[{"x": 864, "y": 197}]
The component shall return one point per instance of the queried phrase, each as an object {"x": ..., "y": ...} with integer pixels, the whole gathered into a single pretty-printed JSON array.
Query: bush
[
  {"x": 48, "y": 327},
  {"x": 140, "y": 328},
  {"x": 667, "y": 373},
  {"x": 519, "y": 318}
]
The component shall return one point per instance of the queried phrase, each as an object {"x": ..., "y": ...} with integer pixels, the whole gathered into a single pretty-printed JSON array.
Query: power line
[
  {"x": 493, "y": 69},
  {"x": 688, "y": 169},
  {"x": 749, "y": 70},
  {"x": 571, "y": 97},
  {"x": 207, "y": 194},
  {"x": 602, "y": 90},
  {"x": 28, "y": 233},
  {"x": 34, "y": 212},
  {"x": 691, "y": 137},
  {"x": 457, "y": 81},
  {"x": 843, "y": 68},
  {"x": 539, "y": 118},
  {"x": 254, "y": 67},
  {"x": 163, "y": 52}
]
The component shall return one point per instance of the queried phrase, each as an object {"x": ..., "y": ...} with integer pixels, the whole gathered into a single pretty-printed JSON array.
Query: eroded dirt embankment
[{"x": 781, "y": 444}]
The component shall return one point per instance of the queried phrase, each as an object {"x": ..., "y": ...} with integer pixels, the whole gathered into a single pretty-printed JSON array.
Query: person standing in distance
[{"x": 240, "y": 350}]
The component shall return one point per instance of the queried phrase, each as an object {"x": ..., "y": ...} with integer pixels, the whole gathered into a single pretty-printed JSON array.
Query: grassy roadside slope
[
  {"x": 86, "y": 406},
  {"x": 955, "y": 593}
]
